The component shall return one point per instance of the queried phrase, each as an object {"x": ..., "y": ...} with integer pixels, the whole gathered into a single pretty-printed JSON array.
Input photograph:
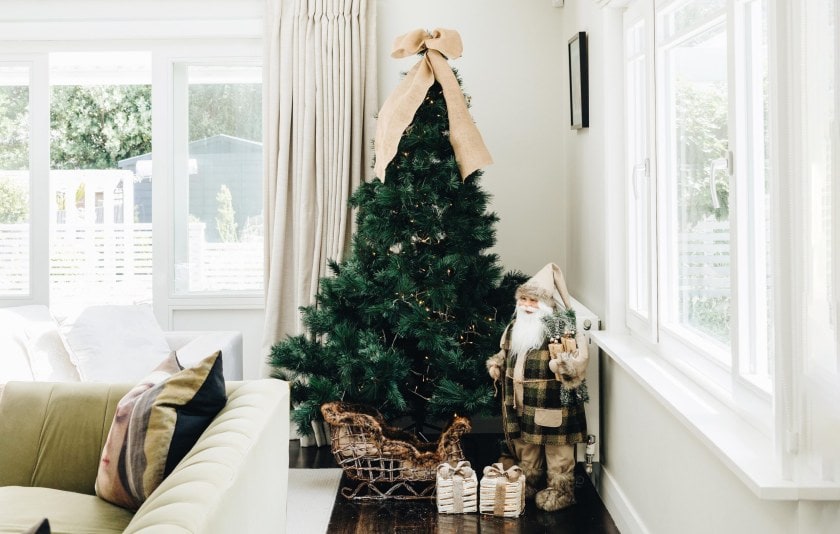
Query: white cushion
[
  {"x": 115, "y": 343},
  {"x": 14, "y": 357},
  {"x": 48, "y": 355}
]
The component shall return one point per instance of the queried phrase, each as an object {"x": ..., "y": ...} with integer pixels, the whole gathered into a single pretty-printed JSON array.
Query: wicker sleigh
[{"x": 384, "y": 462}]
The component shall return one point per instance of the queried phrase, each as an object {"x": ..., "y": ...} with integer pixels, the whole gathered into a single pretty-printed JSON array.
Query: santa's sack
[
  {"x": 457, "y": 488},
  {"x": 502, "y": 493}
]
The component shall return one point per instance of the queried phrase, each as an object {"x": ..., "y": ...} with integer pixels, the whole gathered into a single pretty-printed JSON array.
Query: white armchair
[{"x": 193, "y": 345}]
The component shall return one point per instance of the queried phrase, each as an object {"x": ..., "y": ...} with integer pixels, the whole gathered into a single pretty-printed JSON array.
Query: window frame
[
  {"x": 645, "y": 326},
  {"x": 680, "y": 347},
  {"x": 169, "y": 151},
  {"x": 39, "y": 175},
  {"x": 226, "y": 28}
]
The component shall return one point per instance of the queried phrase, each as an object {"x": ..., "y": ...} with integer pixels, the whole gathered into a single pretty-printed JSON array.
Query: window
[
  {"x": 641, "y": 197},
  {"x": 15, "y": 186},
  {"x": 693, "y": 108},
  {"x": 100, "y": 116},
  {"x": 219, "y": 235},
  {"x": 732, "y": 209},
  {"x": 131, "y": 156},
  {"x": 698, "y": 201}
]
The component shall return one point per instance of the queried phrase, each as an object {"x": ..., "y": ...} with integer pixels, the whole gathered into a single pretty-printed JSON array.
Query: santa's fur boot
[
  {"x": 533, "y": 480},
  {"x": 559, "y": 494}
]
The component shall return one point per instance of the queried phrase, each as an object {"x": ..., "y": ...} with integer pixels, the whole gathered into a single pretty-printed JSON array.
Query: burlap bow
[
  {"x": 498, "y": 472},
  {"x": 461, "y": 469},
  {"x": 399, "y": 108},
  {"x": 502, "y": 477}
]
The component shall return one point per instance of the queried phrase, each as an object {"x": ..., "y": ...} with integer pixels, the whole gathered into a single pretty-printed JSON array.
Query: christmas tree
[{"x": 406, "y": 322}]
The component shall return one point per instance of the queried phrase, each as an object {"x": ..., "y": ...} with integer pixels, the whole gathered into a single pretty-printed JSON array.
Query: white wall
[
  {"x": 584, "y": 167},
  {"x": 513, "y": 69},
  {"x": 671, "y": 481}
]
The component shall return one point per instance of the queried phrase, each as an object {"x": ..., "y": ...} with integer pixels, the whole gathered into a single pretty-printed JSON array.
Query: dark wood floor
[{"x": 588, "y": 516}]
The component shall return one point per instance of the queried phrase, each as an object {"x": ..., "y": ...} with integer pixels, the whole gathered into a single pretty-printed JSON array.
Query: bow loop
[
  {"x": 462, "y": 469},
  {"x": 409, "y": 44},
  {"x": 497, "y": 471},
  {"x": 447, "y": 42}
]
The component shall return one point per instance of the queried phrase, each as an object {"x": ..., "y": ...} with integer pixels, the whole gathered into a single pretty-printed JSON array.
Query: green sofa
[{"x": 233, "y": 480}]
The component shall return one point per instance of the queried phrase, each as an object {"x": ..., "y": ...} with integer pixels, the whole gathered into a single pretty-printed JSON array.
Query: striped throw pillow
[{"x": 155, "y": 425}]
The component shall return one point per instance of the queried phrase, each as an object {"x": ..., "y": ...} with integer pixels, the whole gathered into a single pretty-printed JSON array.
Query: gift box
[
  {"x": 457, "y": 488},
  {"x": 502, "y": 493}
]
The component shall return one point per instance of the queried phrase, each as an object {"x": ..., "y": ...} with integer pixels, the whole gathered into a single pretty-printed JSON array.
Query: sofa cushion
[
  {"x": 52, "y": 433},
  {"x": 68, "y": 512},
  {"x": 115, "y": 343},
  {"x": 155, "y": 425}
]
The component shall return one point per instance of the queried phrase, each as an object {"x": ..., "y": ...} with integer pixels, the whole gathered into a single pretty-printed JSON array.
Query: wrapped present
[
  {"x": 457, "y": 488},
  {"x": 502, "y": 493}
]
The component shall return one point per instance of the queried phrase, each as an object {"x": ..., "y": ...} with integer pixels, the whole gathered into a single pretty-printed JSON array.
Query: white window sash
[
  {"x": 226, "y": 27},
  {"x": 695, "y": 355},
  {"x": 39, "y": 176}
]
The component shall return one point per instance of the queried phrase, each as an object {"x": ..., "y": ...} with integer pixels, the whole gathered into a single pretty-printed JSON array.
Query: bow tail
[
  {"x": 471, "y": 153},
  {"x": 398, "y": 112}
]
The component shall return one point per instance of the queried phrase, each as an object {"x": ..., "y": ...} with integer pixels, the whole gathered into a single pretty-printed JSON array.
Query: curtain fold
[{"x": 320, "y": 99}]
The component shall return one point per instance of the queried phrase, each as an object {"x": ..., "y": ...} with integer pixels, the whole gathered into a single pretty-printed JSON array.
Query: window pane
[
  {"x": 222, "y": 249},
  {"x": 696, "y": 222},
  {"x": 755, "y": 272},
  {"x": 638, "y": 206},
  {"x": 14, "y": 180},
  {"x": 100, "y": 209},
  {"x": 688, "y": 15}
]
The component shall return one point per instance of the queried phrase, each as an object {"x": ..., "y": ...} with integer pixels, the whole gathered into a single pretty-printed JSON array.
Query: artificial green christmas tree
[{"x": 409, "y": 318}]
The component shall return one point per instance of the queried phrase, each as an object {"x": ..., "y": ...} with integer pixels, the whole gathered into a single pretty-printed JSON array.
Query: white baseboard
[{"x": 620, "y": 508}]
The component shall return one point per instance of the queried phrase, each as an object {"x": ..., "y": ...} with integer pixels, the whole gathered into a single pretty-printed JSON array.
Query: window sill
[{"x": 748, "y": 453}]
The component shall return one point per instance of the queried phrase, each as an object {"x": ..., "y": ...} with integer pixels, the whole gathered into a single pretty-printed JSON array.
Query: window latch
[
  {"x": 719, "y": 164},
  {"x": 637, "y": 168}
]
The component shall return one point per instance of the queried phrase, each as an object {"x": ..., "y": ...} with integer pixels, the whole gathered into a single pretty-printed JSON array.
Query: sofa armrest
[
  {"x": 193, "y": 346},
  {"x": 235, "y": 478},
  {"x": 52, "y": 433}
]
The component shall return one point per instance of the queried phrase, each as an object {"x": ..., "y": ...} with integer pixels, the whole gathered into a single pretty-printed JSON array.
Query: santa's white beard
[{"x": 528, "y": 331}]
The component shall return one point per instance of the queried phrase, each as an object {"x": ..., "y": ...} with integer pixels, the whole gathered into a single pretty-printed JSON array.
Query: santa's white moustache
[{"x": 528, "y": 331}]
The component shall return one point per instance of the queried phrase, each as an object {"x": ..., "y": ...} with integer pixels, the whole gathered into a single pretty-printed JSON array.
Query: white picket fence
[
  {"x": 704, "y": 264},
  {"x": 112, "y": 263},
  {"x": 108, "y": 261},
  {"x": 224, "y": 266},
  {"x": 14, "y": 259}
]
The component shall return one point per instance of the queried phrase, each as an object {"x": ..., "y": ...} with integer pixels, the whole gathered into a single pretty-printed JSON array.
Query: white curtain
[
  {"x": 320, "y": 101},
  {"x": 809, "y": 366}
]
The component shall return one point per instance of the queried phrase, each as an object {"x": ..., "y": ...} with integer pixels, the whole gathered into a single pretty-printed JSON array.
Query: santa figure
[{"x": 543, "y": 391}]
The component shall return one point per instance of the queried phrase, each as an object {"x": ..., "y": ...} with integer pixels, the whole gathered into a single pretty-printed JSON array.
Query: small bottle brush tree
[
  {"x": 561, "y": 322},
  {"x": 409, "y": 318}
]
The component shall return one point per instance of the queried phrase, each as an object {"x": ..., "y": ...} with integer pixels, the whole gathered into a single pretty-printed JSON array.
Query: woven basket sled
[{"x": 383, "y": 462}]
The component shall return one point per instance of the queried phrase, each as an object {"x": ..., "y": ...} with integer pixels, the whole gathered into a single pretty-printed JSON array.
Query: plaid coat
[{"x": 559, "y": 410}]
